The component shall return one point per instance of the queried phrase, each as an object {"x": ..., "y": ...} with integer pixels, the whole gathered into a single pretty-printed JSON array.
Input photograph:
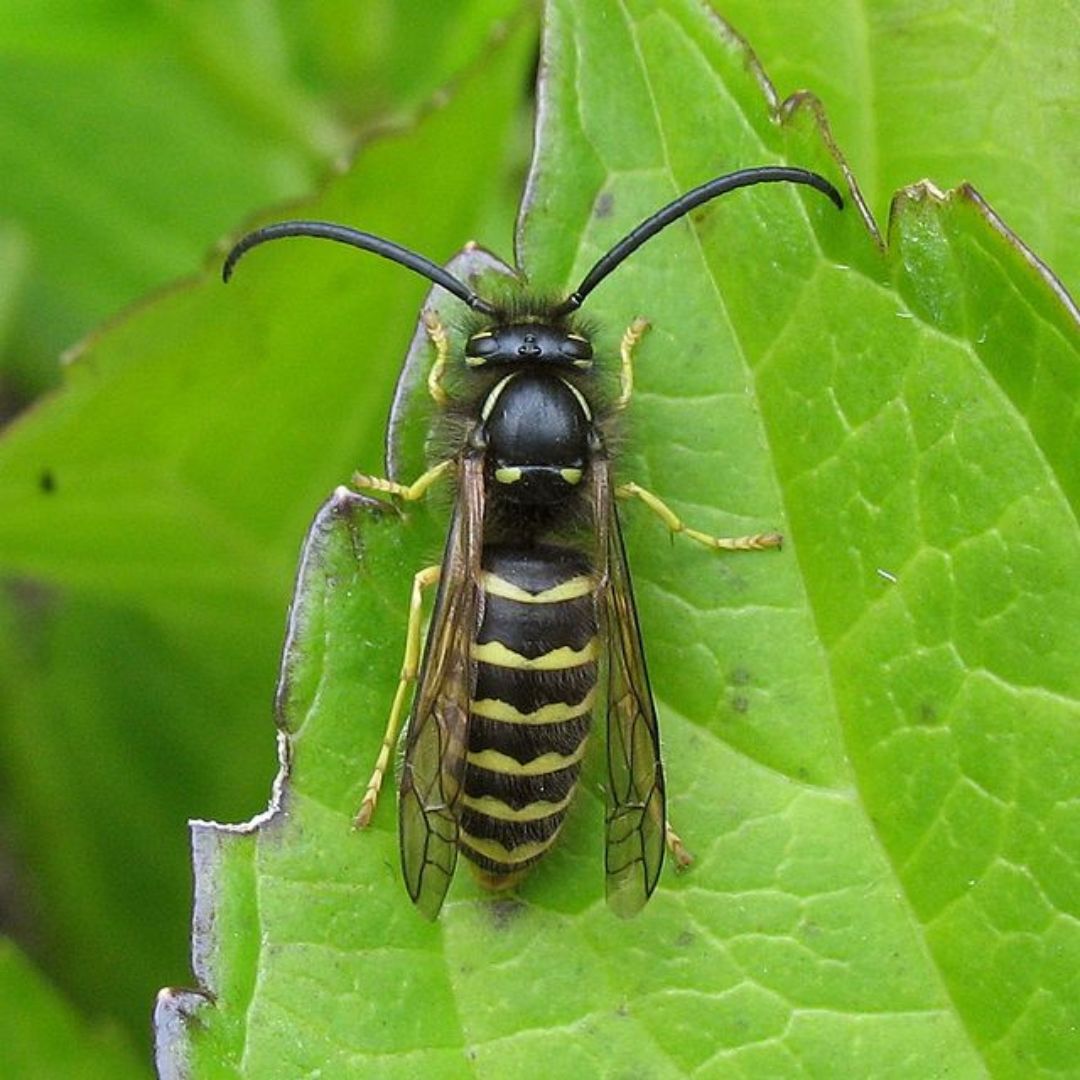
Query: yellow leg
[
  {"x": 409, "y": 668},
  {"x": 441, "y": 340},
  {"x": 634, "y": 333},
  {"x": 720, "y": 543},
  {"x": 682, "y": 857},
  {"x": 417, "y": 489}
]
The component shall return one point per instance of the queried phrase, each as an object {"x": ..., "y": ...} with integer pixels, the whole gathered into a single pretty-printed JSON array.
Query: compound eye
[
  {"x": 576, "y": 347},
  {"x": 482, "y": 345}
]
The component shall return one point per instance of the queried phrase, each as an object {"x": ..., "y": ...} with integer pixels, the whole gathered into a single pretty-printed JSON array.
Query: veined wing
[
  {"x": 438, "y": 731},
  {"x": 635, "y": 793}
]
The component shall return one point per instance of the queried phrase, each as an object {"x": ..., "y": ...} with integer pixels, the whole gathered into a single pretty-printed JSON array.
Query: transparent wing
[
  {"x": 635, "y": 797},
  {"x": 438, "y": 731}
]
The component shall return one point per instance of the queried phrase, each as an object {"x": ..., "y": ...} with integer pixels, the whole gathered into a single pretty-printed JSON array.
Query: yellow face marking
[
  {"x": 553, "y": 713},
  {"x": 508, "y": 474},
  {"x": 571, "y": 589},
  {"x": 478, "y": 361},
  {"x": 494, "y": 850},
  {"x": 585, "y": 340},
  {"x": 496, "y": 808},
  {"x": 571, "y": 476},
  {"x": 495, "y": 652},
  {"x": 493, "y": 761}
]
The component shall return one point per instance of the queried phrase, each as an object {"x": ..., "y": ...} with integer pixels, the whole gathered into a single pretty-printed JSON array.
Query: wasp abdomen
[{"x": 536, "y": 666}]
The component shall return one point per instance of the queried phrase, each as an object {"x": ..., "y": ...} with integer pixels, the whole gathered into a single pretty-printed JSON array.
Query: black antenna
[
  {"x": 768, "y": 174},
  {"x": 325, "y": 230}
]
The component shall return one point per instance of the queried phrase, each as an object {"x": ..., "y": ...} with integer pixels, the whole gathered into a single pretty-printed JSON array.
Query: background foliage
[{"x": 153, "y": 508}]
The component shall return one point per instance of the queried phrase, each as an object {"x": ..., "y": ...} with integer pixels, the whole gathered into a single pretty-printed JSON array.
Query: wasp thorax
[
  {"x": 536, "y": 429},
  {"x": 530, "y": 343}
]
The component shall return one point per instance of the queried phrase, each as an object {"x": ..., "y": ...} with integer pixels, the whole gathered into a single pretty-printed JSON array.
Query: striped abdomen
[{"x": 536, "y": 661}]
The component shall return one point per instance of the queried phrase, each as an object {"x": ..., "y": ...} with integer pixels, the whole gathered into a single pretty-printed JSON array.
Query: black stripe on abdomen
[
  {"x": 528, "y": 691},
  {"x": 525, "y": 742},
  {"x": 518, "y": 792},
  {"x": 538, "y": 628}
]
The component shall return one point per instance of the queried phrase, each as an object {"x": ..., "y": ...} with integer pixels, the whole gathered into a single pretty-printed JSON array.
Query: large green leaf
[
  {"x": 870, "y": 736},
  {"x": 152, "y": 513},
  {"x": 132, "y": 132},
  {"x": 162, "y": 496}
]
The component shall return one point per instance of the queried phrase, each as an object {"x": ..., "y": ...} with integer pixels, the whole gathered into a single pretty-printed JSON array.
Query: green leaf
[
  {"x": 870, "y": 736},
  {"x": 970, "y": 91},
  {"x": 133, "y": 133},
  {"x": 152, "y": 515},
  {"x": 41, "y": 1035}
]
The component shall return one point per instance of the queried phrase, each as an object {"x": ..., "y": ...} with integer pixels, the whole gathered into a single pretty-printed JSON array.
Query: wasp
[{"x": 534, "y": 593}]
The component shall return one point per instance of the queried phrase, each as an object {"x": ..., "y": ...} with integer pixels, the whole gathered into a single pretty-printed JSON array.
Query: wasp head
[{"x": 538, "y": 343}]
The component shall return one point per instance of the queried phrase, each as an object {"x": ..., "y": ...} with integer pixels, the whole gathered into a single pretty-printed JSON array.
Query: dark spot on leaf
[
  {"x": 928, "y": 715},
  {"x": 686, "y": 939},
  {"x": 604, "y": 205},
  {"x": 740, "y": 703},
  {"x": 32, "y": 605},
  {"x": 739, "y": 677},
  {"x": 505, "y": 911},
  {"x": 47, "y": 481}
]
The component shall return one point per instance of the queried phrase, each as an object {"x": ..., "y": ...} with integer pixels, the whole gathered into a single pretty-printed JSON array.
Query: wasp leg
[
  {"x": 682, "y": 857},
  {"x": 634, "y": 333},
  {"x": 441, "y": 340},
  {"x": 417, "y": 489},
  {"x": 756, "y": 542},
  {"x": 410, "y": 665}
]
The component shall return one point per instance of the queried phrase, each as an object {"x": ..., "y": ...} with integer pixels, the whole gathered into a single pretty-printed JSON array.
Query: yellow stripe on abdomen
[
  {"x": 552, "y": 713},
  {"x": 493, "y": 850},
  {"x": 493, "y": 761},
  {"x": 496, "y": 653},
  {"x": 571, "y": 589},
  {"x": 496, "y": 808}
]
